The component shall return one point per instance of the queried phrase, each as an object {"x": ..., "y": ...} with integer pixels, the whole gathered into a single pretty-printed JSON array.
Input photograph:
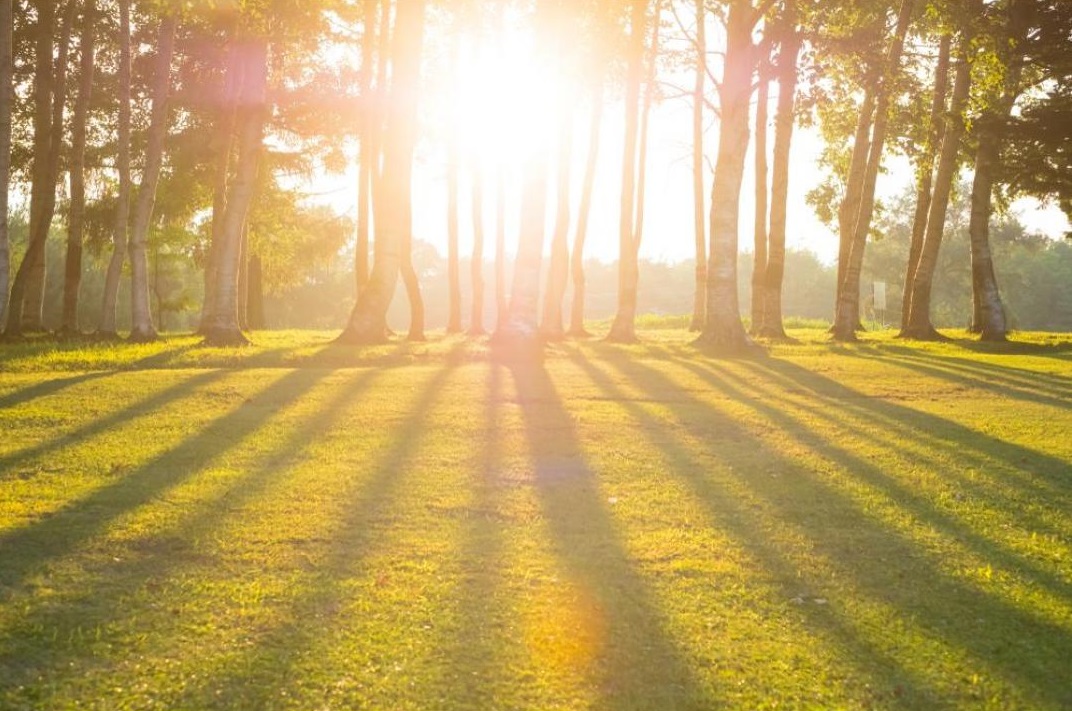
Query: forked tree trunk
[
  {"x": 699, "y": 304},
  {"x": 723, "y": 330},
  {"x": 919, "y": 307},
  {"x": 623, "y": 328},
  {"x": 558, "y": 274},
  {"x": 224, "y": 328},
  {"x": 7, "y": 97},
  {"x": 925, "y": 172},
  {"x": 142, "y": 329},
  {"x": 584, "y": 209},
  {"x": 783, "y": 137},
  {"x": 393, "y": 224},
  {"x": 76, "y": 213},
  {"x": 121, "y": 225},
  {"x": 759, "y": 227}
]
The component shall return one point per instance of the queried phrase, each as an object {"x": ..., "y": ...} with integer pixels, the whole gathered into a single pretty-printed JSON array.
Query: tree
[
  {"x": 7, "y": 96},
  {"x": 699, "y": 306}
]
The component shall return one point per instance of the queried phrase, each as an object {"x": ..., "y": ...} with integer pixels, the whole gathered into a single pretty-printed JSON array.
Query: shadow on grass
[
  {"x": 1012, "y": 643},
  {"x": 635, "y": 661},
  {"x": 162, "y": 553},
  {"x": 264, "y": 671}
]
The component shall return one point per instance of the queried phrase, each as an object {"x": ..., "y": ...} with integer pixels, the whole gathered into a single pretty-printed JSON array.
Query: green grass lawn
[{"x": 414, "y": 526}]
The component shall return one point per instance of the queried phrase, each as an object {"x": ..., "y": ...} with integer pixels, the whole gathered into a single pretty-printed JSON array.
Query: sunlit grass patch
[{"x": 301, "y": 525}]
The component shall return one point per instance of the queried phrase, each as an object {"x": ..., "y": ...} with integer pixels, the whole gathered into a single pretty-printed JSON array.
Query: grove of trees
[{"x": 155, "y": 157}]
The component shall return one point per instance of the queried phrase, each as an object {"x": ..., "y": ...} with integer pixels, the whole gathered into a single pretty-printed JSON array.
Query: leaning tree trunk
[
  {"x": 42, "y": 184},
  {"x": 558, "y": 273},
  {"x": 121, "y": 225},
  {"x": 783, "y": 137},
  {"x": 925, "y": 172},
  {"x": 759, "y": 227},
  {"x": 142, "y": 329},
  {"x": 584, "y": 209},
  {"x": 919, "y": 305},
  {"x": 368, "y": 319},
  {"x": 847, "y": 314},
  {"x": 76, "y": 212},
  {"x": 723, "y": 330},
  {"x": 7, "y": 97},
  {"x": 699, "y": 304},
  {"x": 224, "y": 328},
  {"x": 623, "y": 328}
]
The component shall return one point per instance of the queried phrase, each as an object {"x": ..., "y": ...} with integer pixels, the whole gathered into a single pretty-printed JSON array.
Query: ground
[{"x": 301, "y": 525}]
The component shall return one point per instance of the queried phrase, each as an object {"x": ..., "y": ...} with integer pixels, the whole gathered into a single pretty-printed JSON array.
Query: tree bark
[
  {"x": 783, "y": 137},
  {"x": 919, "y": 320},
  {"x": 723, "y": 330},
  {"x": 584, "y": 209},
  {"x": 76, "y": 214},
  {"x": 623, "y": 328},
  {"x": 7, "y": 98},
  {"x": 699, "y": 304},
  {"x": 847, "y": 314},
  {"x": 925, "y": 171},
  {"x": 224, "y": 328},
  {"x": 142, "y": 329},
  {"x": 107, "y": 327},
  {"x": 759, "y": 228},
  {"x": 393, "y": 224}
]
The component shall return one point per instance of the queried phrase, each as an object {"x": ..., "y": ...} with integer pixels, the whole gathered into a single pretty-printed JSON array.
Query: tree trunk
[
  {"x": 370, "y": 151},
  {"x": 393, "y": 224},
  {"x": 454, "y": 299},
  {"x": 121, "y": 225},
  {"x": 925, "y": 171},
  {"x": 699, "y": 304},
  {"x": 558, "y": 274},
  {"x": 623, "y": 329},
  {"x": 413, "y": 290},
  {"x": 224, "y": 328},
  {"x": 142, "y": 329},
  {"x": 76, "y": 215},
  {"x": 584, "y": 209},
  {"x": 723, "y": 330},
  {"x": 476, "y": 264},
  {"x": 847, "y": 314},
  {"x": 255, "y": 293},
  {"x": 783, "y": 137},
  {"x": 502, "y": 308},
  {"x": 759, "y": 228},
  {"x": 7, "y": 98},
  {"x": 30, "y": 275},
  {"x": 919, "y": 320}
]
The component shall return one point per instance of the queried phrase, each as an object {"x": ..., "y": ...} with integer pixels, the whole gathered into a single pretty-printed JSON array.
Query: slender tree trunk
[
  {"x": 121, "y": 225},
  {"x": 502, "y": 307},
  {"x": 76, "y": 214},
  {"x": 919, "y": 320},
  {"x": 7, "y": 98},
  {"x": 723, "y": 330},
  {"x": 783, "y": 137},
  {"x": 393, "y": 223},
  {"x": 699, "y": 304},
  {"x": 847, "y": 316},
  {"x": 454, "y": 299},
  {"x": 370, "y": 151},
  {"x": 243, "y": 279},
  {"x": 558, "y": 274},
  {"x": 925, "y": 172},
  {"x": 623, "y": 329},
  {"x": 759, "y": 229},
  {"x": 224, "y": 329},
  {"x": 476, "y": 264},
  {"x": 30, "y": 274},
  {"x": 584, "y": 209},
  {"x": 142, "y": 329},
  {"x": 413, "y": 290},
  {"x": 255, "y": 293}
]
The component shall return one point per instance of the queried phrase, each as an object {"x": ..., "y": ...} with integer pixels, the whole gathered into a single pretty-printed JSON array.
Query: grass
[{"x": 298, "y": 525}]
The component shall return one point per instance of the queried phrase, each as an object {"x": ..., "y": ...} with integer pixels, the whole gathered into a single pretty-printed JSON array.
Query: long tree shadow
[
  {"x": 28, "y": 548},
  {"x": 163, "y": 553},
  {"x": 626, "y": 630},
  {"x": 259, "y": 674},
  {"x": 970, "y": 619}
]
